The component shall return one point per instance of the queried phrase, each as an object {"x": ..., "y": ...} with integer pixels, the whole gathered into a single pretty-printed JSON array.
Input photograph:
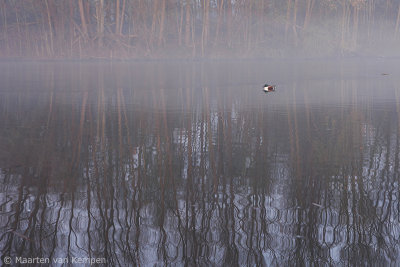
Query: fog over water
[
  {"x": 132, "y": 29},
  {"x": 191, "y": 163},
  {"x": 137, "y": 132}
]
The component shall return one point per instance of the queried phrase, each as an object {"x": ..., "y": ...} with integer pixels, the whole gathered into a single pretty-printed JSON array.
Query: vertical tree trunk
[
  {"x": 180, "y": 25},
  {"x": 30, "y": 43},
  {"x": 371, "y": 19},
  {"x": 387, "y": 5},
  {"x": 117, "y": 16},
  {"x": 71, "y": 24},
  {"x": 59, "y": 24},
  {"x": 220, "y": 5},
  {"x": 86, "y": 8},
  {"x": 295, "y": 23},
  {"x": 396, "y": 28},
  {"x": 100, "y": 22},
  {"x": 122, "y": 16},
  {"x": 162, "y": 21},
  {"x": 83, "y": 20},
  {"x": 355, "y": 26},
  {"x": 5, "y": 26},
  {"x": 288, "y": 12},
  {"x": 50, "y": 28},
  {"x": 187, "y": 24},
  {"x": 154, "y": 22},
  {"x": 261, "y": 18},
  {"x": 19, "y": 32},
  {"x": 229, "y": 22},
  {"x": 249, "y": 28},
  {"x": 343, "y": 26},
  {"x": 309, "y": 8},
  {"x": 204, "y": 34}
]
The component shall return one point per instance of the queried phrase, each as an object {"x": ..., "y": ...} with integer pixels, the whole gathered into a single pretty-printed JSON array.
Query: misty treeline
[{"x": 196, "y": 28}]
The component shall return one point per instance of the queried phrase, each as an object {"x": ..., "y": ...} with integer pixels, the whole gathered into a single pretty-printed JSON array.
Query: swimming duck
[{"x": 269, "y": 88}]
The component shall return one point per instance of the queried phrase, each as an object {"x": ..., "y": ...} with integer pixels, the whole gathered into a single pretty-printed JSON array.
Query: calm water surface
[{"x": 156, "y": 164}]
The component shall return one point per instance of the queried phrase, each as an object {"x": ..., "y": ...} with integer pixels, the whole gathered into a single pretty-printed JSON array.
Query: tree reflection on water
[{"x": 181, "y": 170}]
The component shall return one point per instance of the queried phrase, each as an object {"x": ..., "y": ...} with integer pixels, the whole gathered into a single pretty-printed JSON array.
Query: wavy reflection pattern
[{"x": 178, "y": 169}]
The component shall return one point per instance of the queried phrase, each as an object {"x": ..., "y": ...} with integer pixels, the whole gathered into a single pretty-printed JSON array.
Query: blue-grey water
[{"x": 180, "y": 163}]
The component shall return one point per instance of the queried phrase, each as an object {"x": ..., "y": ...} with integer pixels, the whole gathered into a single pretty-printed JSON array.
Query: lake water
[{"x": 178, "y": 163}]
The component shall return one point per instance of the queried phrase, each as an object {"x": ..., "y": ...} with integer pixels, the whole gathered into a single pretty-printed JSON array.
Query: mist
[
  {"x": 138, "y": 29},
  {"x": 200, "y": 132}
]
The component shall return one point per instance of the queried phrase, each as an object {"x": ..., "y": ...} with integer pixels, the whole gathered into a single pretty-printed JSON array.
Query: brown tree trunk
[
  {"x": 204, "y": 34},
  {"x": 249, "y": 27},
  {"x": 154, "y": 22},
  {"x": 261, "y": 24},
  {"x": 344, "y": 25},
  {"x": 19, "y": 33},
  {"x": 50, "y": 28},
  {"x": 122, "y": 16},
  {"x": 187, "y": 24},
  {"x": 180, "y": 24},
  {"x": 162, "y": 21},
  {"x": 117, "y": 16},
  {"x": 229, "y": 22},
  {"x": 295, "y": 23},
  {"x": 396, "y": 29},
  {"x": 355, "y": 26},
  {"x": 100, "y": 22},
  {"x": 5, "y": 26},
  {"x": 71, "y": 24},
  {"x": 288, "y": 12},
  {"x": 220, "y": 5},
  {"x": 307, "y": 17},
  {"x": 83, "y": 20}
]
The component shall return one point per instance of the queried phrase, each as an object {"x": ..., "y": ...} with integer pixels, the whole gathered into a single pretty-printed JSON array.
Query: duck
[{"x": 269, "y": 88}]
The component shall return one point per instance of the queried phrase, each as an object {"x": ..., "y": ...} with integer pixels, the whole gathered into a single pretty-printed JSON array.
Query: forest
[{"x": 134, "y": 29}]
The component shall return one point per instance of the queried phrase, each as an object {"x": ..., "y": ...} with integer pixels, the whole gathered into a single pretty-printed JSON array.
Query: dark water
[{"x": 157, "y": 164}]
